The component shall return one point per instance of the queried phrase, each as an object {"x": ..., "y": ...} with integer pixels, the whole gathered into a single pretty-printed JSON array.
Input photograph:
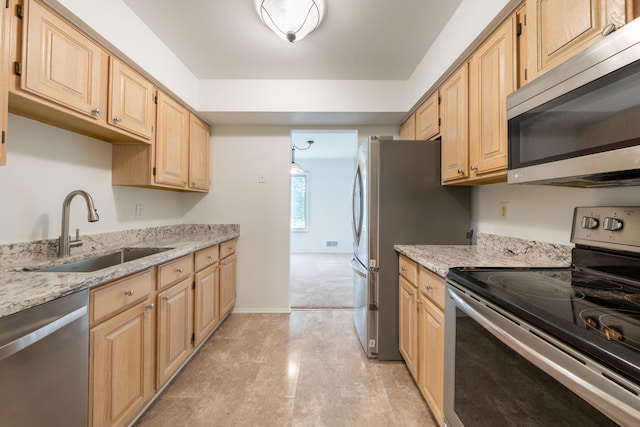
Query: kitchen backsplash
[{"x": 25, "y": 252}]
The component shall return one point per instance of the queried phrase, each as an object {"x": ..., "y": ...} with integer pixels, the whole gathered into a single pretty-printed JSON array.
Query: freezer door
[{"x": 365, "y": 308}]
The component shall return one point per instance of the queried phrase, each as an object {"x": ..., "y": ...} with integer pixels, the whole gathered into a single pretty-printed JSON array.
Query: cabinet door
[
  {"x": 454, "y": 126},
  {"x": 491, "y": 79},
  {"x": 199, "y": 140},
  {"x": 206, "y": 305},
  {"x": 408, "y": 128},
  {"x": 62, "y": 64},
  {"x": 4, "y": 89},
  {"x": 227, "y": 284},
  {"x": 121, "y": 366},
  {"x": 131, "y": 100},
  {"x": 428, "y": 118},
  {"x": 431, "y": 356},
  {"x": 562, "y": 28},
  {"x": 175, "y": 328},
  {"x": 172, "y": 142},
  {"x": 408, "y": 325}
]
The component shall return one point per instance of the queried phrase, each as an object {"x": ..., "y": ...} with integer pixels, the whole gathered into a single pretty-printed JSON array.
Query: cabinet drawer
[
  {"x": 227, "y": 248},
  {"x": 206, "y": 257},
  {"x": 175, "y": 270},
  {"x": 408, "y": 269},
  {"x": 431, "y": 285},
  {"x": 114, "y": 297}
]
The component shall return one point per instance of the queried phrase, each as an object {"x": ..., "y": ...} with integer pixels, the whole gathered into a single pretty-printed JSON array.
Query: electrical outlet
[
  {"x": 262, "y": 178},
  {"x": 332, "y": 243},
  {"x": 504, "y": 210},
  {"x": 139, "y": 211}
]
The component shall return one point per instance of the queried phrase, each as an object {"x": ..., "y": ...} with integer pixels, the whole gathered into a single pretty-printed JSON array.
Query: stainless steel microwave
[{"x": 579, "y": 123}]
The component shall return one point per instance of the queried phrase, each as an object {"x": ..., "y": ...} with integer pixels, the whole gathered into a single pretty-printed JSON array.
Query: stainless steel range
[{"x": 549, "y": 346}]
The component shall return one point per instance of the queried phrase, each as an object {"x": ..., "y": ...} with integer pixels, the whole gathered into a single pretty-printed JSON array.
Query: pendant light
[
  {"x": 295, "y": 168},
  {"x": 291, "y": 20}
]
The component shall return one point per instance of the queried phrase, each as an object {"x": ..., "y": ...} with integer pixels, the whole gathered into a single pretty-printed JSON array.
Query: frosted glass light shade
[{"x": 291, "y": 20}]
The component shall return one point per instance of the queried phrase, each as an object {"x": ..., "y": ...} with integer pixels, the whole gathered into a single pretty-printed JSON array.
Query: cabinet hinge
[
  {"x": 7, "y": 4},
  {"x": 193, "y": 338},
  {"x": 524, "y": 19},
  {"x": 3, "y": 137},
  {"x": 17, "y": 68},
  {"x": 154, "y": 172},
  {"x": 193, "y": 285},
  {"x": 439, "y": 121},
  {"x": 155, "y": 99},
  {"x": 518, "y": 29},
  {"x": 525, "y": 74},
  {"x": 20, "y": 11},
  {"x": 439, "y": 100}
]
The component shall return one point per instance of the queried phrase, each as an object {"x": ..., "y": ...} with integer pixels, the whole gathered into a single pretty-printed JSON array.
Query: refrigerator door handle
[
  {"x": 373, "y": 291},
  {"x": 356, "y": 223}
]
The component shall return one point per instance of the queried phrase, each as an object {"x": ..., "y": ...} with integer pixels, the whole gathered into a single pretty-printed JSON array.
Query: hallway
[{"x": 300, "y": 369}]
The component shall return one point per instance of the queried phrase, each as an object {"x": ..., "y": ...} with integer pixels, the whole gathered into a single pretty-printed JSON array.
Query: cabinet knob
[
  {"x": 129, "y": 293},
  {"x": 428, "y": 287},
  {"x": 150, "y": 306},
  {"x": 460, "y": 171},
  {"x": 96, "y": 111},
  {"x": 179, "y": 270},
  {"x": 608, "y": 29},
  {"x": 165, "y": 298},
  {"x": 419, "y": 301},
  {"x": 210, "y": 257},
  {"x": 403, "y": 268},
  {"x": 474, "y": 167},
  {"x": 117, "y": 119}
]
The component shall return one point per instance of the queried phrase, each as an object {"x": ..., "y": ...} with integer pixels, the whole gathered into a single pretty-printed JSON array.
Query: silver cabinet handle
[
  {"x": 608, "y": 29},
  {"x": 25, "y": 341},
  {"x": 129, "y": 293},
  {"x": 165, "y": 298},
  {"x": 210, "y": 257},
  {"x": 117, "y": 119},
  {"x": 474, "y": 167},
  {"x": 460, "y": 171},
  {"x": 179, "y": 270},
  {"x": 428, "y": 287},
  {"x": 150, "y": 306},
  {"x": 96, "y": 111}
]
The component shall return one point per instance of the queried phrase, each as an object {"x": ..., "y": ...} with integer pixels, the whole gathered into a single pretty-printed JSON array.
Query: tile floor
[
  {"x": 300, "y": 369},
  {"x": 321, "y": 281}
]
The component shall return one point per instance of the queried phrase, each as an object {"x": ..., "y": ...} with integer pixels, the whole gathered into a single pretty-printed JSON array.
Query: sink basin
[{"x": 102, "y": 261}]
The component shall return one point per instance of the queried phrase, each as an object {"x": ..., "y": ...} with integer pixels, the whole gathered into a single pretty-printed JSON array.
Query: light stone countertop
[
  {"x": 491, "y": 251},
  {"x": 20, "y": 289}
]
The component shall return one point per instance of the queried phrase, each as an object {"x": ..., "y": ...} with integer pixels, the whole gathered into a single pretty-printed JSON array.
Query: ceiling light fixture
[
  {"x": 295, "y": 168},
  {"x": 291, "y": 20}
]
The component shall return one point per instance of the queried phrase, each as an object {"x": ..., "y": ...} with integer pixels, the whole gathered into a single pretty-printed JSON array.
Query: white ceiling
[{"x": 357, "y": 40}]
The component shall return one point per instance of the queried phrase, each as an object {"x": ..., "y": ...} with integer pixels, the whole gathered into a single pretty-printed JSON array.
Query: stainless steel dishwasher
[{"x": 44, "y": 357}]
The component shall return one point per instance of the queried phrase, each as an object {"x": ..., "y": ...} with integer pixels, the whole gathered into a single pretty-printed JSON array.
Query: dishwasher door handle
[{"x": 40, "y": 333}]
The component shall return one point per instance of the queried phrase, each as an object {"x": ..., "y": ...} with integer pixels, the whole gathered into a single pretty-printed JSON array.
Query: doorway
[{"x": 320, "y": 274}]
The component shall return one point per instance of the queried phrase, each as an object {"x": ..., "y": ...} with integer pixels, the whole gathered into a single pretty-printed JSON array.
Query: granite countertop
[
  {"x": 21, "y": 289},
  {"x": 491, "y": 251}
]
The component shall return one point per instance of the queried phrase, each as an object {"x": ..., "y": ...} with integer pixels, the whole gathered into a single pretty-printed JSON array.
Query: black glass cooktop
[{"x": 596, "y": 313}]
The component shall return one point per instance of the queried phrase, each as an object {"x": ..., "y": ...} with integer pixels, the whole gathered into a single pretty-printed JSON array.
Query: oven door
[{"x": 501, "y": 371}]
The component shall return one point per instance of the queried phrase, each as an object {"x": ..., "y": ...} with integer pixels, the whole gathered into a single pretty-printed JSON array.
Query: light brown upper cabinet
[
  {"x": 4, "y": 88},
  {"x": 172, "y": 142},
  {"x": 408, "y": 128},
  {"x": 454, "y": 127},
  {"x": 428, "y": 118},
  {"x": 199, "y": 140},
  {"x": 132, "y": 105},
  {"x": 491, "y": 79},
  {"x": 561, "y": 28}
]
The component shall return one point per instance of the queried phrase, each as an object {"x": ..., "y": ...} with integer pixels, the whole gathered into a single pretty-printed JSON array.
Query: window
[{"x": 299, "y": 202}]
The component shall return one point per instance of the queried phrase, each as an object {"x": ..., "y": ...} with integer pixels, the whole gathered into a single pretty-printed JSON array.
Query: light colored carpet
[{"x": 321, "y": 281}]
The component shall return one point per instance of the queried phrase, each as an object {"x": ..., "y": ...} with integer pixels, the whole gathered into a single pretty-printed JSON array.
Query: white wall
[
  {"x": 538, "y": 212},
  {"x": 45, "y": 163},
  {"x": 328, "y": 204}
]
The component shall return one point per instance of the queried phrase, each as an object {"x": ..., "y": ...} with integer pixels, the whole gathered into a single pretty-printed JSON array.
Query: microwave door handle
[{"x": 617, "y": 409}]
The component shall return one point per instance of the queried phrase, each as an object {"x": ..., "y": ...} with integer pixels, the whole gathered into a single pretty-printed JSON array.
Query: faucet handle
[{"x": 77, "y": 241}]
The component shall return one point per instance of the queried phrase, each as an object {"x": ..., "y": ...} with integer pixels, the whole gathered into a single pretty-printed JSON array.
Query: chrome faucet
[{"x": 65, "y": 242}]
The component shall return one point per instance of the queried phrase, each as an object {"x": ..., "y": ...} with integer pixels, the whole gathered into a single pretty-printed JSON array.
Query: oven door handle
[{"x": 618, "y": 410}]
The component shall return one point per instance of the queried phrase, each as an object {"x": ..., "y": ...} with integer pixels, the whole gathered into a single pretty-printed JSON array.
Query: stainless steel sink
[{"x": 102, "y": 261}]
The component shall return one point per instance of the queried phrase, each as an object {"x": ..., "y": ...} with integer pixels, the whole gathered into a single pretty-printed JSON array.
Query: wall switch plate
[
  {"x": 504, "y": 210},
  {"x": 139, "y": 211}
]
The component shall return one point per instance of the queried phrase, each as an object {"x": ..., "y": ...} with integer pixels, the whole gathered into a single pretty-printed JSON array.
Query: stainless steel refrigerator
[{"x": 397, "y": 199}]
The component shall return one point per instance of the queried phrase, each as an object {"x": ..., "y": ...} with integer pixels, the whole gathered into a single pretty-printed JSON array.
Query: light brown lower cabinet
[
  {"x": 175, "y": 328},
  {"x": 422, "y": 331},
  {"x": 145, "y": 327},
  {"x": 122, "y": 350}
]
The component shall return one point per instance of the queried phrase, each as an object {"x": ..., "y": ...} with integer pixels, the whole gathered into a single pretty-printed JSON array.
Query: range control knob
[
  {"x": 612, "y": 224},
  {"x": 590, "y": 222}
]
